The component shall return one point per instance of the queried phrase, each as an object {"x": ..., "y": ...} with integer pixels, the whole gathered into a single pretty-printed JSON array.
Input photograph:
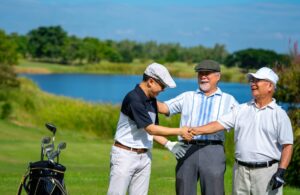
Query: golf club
[
  {"x": 45, "y": 140},
  {"x": 52, "y": 128},
  {"x": 48, "y": 150},
  {"x": 55, "y": 154}
]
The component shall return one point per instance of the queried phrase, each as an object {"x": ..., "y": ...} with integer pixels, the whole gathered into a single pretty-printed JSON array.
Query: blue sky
[{"x": 238, "y": 24}]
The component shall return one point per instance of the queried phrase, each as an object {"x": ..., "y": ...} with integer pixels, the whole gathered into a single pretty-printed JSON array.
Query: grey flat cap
[{"x": 208, "y": 65}]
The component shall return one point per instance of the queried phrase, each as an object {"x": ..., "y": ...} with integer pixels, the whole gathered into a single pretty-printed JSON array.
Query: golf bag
[{"x": 44, "y": 178}]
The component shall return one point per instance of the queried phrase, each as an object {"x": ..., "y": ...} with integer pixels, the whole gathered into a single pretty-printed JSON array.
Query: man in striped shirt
[{"x": 204, "y": 159}]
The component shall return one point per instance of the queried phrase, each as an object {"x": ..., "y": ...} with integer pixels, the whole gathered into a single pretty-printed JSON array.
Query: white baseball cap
[
  {"x": 264, "y": 73},
  {"x": 158, "y": 71}
]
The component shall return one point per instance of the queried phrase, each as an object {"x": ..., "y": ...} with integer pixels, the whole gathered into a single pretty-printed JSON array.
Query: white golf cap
[
  {"x": 264, "y": 73},
  {"x": 158, "y": 71}
]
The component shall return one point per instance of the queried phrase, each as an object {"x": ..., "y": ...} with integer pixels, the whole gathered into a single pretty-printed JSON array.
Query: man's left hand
[
  {"x": 277, "y": 179},
  {"x": 177, "y": 148}
]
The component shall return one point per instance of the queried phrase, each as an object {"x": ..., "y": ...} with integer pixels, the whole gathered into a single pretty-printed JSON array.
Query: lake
[{"x": 113, "y": 88}]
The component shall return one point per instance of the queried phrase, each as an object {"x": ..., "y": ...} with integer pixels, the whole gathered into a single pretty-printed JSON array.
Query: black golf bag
[{"x": 44, "y": 178}]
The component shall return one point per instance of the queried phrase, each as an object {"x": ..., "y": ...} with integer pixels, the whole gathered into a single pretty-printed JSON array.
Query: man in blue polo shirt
[
  {"x": 204, "y": 159},
  {"x": 130, "y": 155}
]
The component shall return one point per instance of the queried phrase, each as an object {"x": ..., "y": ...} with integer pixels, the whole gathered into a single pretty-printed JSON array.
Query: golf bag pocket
[{"x": 44, "y": 178}]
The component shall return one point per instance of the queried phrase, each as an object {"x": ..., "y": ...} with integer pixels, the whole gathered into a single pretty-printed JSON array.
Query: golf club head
[
  {"x": 48, "y": 150},
  {"x": 51, "y": 127},
  {"x": 46, "y": 140},
  {"x": 53, "y": 155},
  {"x": 61, "y": 146}
]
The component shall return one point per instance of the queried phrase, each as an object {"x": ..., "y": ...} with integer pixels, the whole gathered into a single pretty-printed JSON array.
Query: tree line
[{"x": 53, "y": 44}]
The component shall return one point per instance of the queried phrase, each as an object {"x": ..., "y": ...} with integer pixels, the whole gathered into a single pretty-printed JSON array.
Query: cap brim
[
  {"x": 202, "y": 69},
  {"x": 170, "y": 83},
  {"x": 250, "y": 75}
]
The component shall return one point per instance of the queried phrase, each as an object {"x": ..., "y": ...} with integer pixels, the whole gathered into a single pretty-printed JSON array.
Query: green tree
[
  {"x": 125, "y": 48},
  {"x": 94, "y": 49},
  {"x": 21, "y": 42},
  {"x": 73, "y": 51},
  {"x": 47, "y": 43},
  {"x": 8, "y": 52},
  {"x": 254, "y": 58},
  {"x": 8, "y": 79}
]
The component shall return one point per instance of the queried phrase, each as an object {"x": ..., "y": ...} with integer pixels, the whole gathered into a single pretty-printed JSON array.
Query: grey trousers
[{"x": 206, "y": 163}]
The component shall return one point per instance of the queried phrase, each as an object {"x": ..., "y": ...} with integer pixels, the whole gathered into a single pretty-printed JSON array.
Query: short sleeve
[
  {"x": 285, "y": 131},
  {"x": 228, "y": 120},
  {"x": 175, "y": 105}
]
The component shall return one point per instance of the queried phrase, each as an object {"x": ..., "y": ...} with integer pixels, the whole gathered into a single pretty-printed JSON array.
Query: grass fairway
[{"x": 86, "y": 158}]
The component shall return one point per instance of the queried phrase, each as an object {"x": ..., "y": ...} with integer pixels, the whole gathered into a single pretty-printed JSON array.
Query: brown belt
[{"x": 137, "y": 150}]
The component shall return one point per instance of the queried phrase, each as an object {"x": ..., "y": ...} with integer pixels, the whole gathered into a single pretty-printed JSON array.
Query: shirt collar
[
  {"x": 218, "y": 92},
  {"x": 142, "y": 94},
  {"x": 271, "y": 105}
]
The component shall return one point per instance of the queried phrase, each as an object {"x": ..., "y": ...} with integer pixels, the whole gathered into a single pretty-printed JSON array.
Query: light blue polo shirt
[{"x": 197, "y": 109}]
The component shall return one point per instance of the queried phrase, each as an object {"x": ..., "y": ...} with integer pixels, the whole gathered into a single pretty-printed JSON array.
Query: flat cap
[{"x": 208, "y": 65}]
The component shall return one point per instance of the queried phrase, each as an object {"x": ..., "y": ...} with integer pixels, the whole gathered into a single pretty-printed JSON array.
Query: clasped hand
[{"x": 187, "y": 133}]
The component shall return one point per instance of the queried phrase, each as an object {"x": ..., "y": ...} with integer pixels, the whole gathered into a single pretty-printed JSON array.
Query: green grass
[
  {"x": 86, "y": 158},
  {"x": 137, "y": 67}
]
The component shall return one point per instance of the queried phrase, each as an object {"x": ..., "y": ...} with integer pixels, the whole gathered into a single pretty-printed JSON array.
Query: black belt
[
  {"x": 204, "y": 142},
  {"x": 256, "y": 164}
]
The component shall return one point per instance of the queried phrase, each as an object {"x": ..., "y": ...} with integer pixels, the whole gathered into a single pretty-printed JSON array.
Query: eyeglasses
[
  {"x": 256, "y": 80},
  {"x": 159, "y": 83}
]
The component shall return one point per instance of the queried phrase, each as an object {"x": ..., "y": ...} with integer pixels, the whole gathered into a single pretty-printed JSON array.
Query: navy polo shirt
[{"x": 137, "y": 112}]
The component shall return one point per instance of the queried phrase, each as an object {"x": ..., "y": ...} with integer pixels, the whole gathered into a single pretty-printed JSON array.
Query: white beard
[{"x": 204, "y": 87}]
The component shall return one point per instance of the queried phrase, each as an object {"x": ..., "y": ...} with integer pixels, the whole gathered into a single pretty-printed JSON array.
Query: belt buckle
[{"x": 140, "y": 151}]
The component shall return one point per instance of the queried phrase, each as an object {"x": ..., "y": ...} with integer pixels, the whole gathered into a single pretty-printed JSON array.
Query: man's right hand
[
  {"x": 186, "y": 133},
  {"x": 177, "y": 148}
]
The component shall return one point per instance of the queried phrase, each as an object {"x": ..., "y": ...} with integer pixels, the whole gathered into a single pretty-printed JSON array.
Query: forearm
[
  {"x": 286, "y": 156},
  {"x": 207, "y": 129},
  {"x": 160, "y": 139},
  {"x": 163, "y": 131}
]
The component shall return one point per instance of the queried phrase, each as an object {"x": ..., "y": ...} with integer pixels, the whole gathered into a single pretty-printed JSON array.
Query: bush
[
  {"x": 8, "y": 79},
  {"x": 6, "y": 110},
  {"x": 293, "y": 172}
]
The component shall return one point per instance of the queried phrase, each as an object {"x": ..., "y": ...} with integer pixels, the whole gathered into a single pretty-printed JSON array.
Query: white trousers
[
  {"x": 254, "y": 181},
  {"x": 129, "y": 171}
]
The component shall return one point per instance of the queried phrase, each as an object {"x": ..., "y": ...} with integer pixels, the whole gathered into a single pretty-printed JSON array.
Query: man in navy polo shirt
[{"x": 130, "y": 155}]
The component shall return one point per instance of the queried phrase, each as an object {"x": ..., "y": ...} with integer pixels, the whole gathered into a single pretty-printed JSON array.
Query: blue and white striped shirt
[{"x": 198, "y": 109}]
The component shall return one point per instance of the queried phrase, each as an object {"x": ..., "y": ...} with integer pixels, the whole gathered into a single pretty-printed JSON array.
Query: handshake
[{"x": 187, "y": 133}]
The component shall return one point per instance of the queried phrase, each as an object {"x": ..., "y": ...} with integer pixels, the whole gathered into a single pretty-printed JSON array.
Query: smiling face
[
  {"x": 261, "y": 88},
  {"x": 208, "y": 80}
]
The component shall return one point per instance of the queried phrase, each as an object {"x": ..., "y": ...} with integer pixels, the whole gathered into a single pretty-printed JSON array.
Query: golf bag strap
[
  {"x": 56, "y": 182},
  {"x": 22, "y": 183},
  {"x": 62, "y": 189}
]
